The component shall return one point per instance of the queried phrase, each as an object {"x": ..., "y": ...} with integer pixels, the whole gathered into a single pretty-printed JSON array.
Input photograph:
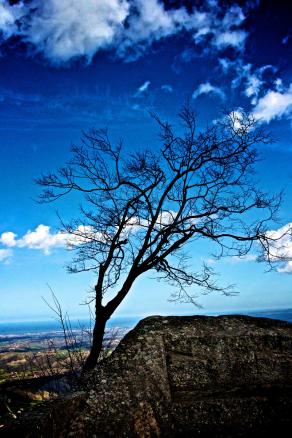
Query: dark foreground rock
[{"x": 228, "y": 376}]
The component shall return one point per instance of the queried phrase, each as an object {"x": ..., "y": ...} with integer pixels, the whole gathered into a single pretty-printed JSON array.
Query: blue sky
[{"x": 68, "y": 65}]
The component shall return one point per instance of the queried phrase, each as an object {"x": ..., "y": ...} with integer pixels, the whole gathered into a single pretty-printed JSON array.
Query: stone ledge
[{"x": 184, "y": 376}]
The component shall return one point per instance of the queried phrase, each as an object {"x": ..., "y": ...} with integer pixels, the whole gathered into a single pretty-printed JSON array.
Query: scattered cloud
[
  {"x": 41, "y": 238},
  {"x": 253, "y": 86},
  {"x": 64, "y": 109},
  {"x": 251, "y": 79},
  {"x": 222, "y": 30},
  {"x": 233, "y": 259},
  {"x": 143, "y": 88},
  {"x": 244, "y": 258},
  {"x": 269, "y": 97},
  {"x": 287, "y": 268},
  {"x": 62, "y": 31},
  {"x": 167, "y": 88},
  {"x": 207, "y": 88},
  {"x": 280, "y": 250},
  {"x": 285, "y": 39},
  {"x": 19, "y": 98},
  {"x": 274, "y": 105},
  {"x": 226, "y": 64},
  {"x": 5, "y": 255}
]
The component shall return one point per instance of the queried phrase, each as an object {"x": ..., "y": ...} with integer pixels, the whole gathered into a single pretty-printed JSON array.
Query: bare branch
[{"x": 139, "y": 210}]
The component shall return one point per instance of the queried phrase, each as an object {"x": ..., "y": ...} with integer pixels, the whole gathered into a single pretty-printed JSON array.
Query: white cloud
[
  {"x": 279, "y": 84},
  {"x": 135, "y": 223},
  {"x": 254, "y": 85},
  {"x": 41, "y": 238},
  {"x": 82, "y": 234},
  {"x": 8, "y": 16},
  {"x": 280, "y": 250},
  {"x": 223, "y": 29},
  {"x": 167, "y": 88},
  {"x": 287, "y": 268},
  {"x": 244, "y": 258},
  {"x": 225, "y": 64},
  {"x": 242, "y": 71},
  {"x": 281, "y": 247},
  {"x": 248, "y": 77},
  {"x": 234, "y": 38},
  {"x": 236, "y": 117},
  {"x": 234, "y": 260},
  {"x": 233, "y": 17},
  {"x": 62, "y": 30},
  {"x": 274, "y": 105},
  {"x": 207, "y": 88},
  {"x": 5, "y": 255},
  {"x": 151, "y": 22},
  {"x": 69, "y": 28},
  {"x": 143, "y": 88},
  {"x": 8, "y": 239},
  {"x": 238, "y": 120}
]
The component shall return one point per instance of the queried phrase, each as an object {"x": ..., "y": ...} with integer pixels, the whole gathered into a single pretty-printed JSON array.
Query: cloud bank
[{"x": 68, "y": 29}]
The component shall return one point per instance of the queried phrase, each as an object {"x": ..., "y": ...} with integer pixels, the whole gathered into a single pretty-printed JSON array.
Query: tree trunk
[
  {"x": 97, "y": 338},
  {"x": 103, "y": 313}
]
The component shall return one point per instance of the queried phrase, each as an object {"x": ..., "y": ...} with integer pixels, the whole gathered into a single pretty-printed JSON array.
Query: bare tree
[{"x": 141, "y": 209}]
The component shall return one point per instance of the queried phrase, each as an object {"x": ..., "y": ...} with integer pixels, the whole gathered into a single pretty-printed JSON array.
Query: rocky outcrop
[{"x": 227, "y": 376}]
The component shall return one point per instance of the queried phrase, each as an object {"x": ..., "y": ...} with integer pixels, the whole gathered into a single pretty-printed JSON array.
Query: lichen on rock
[{"x": 227, "y": 376}]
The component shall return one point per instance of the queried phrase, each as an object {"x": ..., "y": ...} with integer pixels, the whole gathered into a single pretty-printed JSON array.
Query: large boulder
[{"x": 227, "y": 376}]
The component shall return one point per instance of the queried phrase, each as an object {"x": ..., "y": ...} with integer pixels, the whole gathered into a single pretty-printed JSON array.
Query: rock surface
[{"x": 227, "y": 376}]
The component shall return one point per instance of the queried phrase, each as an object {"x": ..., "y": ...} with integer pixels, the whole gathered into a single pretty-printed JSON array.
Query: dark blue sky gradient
[{"x": 45, "y": 104}]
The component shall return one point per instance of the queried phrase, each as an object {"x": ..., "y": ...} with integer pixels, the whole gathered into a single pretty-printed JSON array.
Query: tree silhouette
[{"x": 141, "y": 209}]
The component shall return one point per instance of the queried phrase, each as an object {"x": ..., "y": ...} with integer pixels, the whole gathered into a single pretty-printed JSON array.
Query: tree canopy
[{"x": 141, "y": 209}]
